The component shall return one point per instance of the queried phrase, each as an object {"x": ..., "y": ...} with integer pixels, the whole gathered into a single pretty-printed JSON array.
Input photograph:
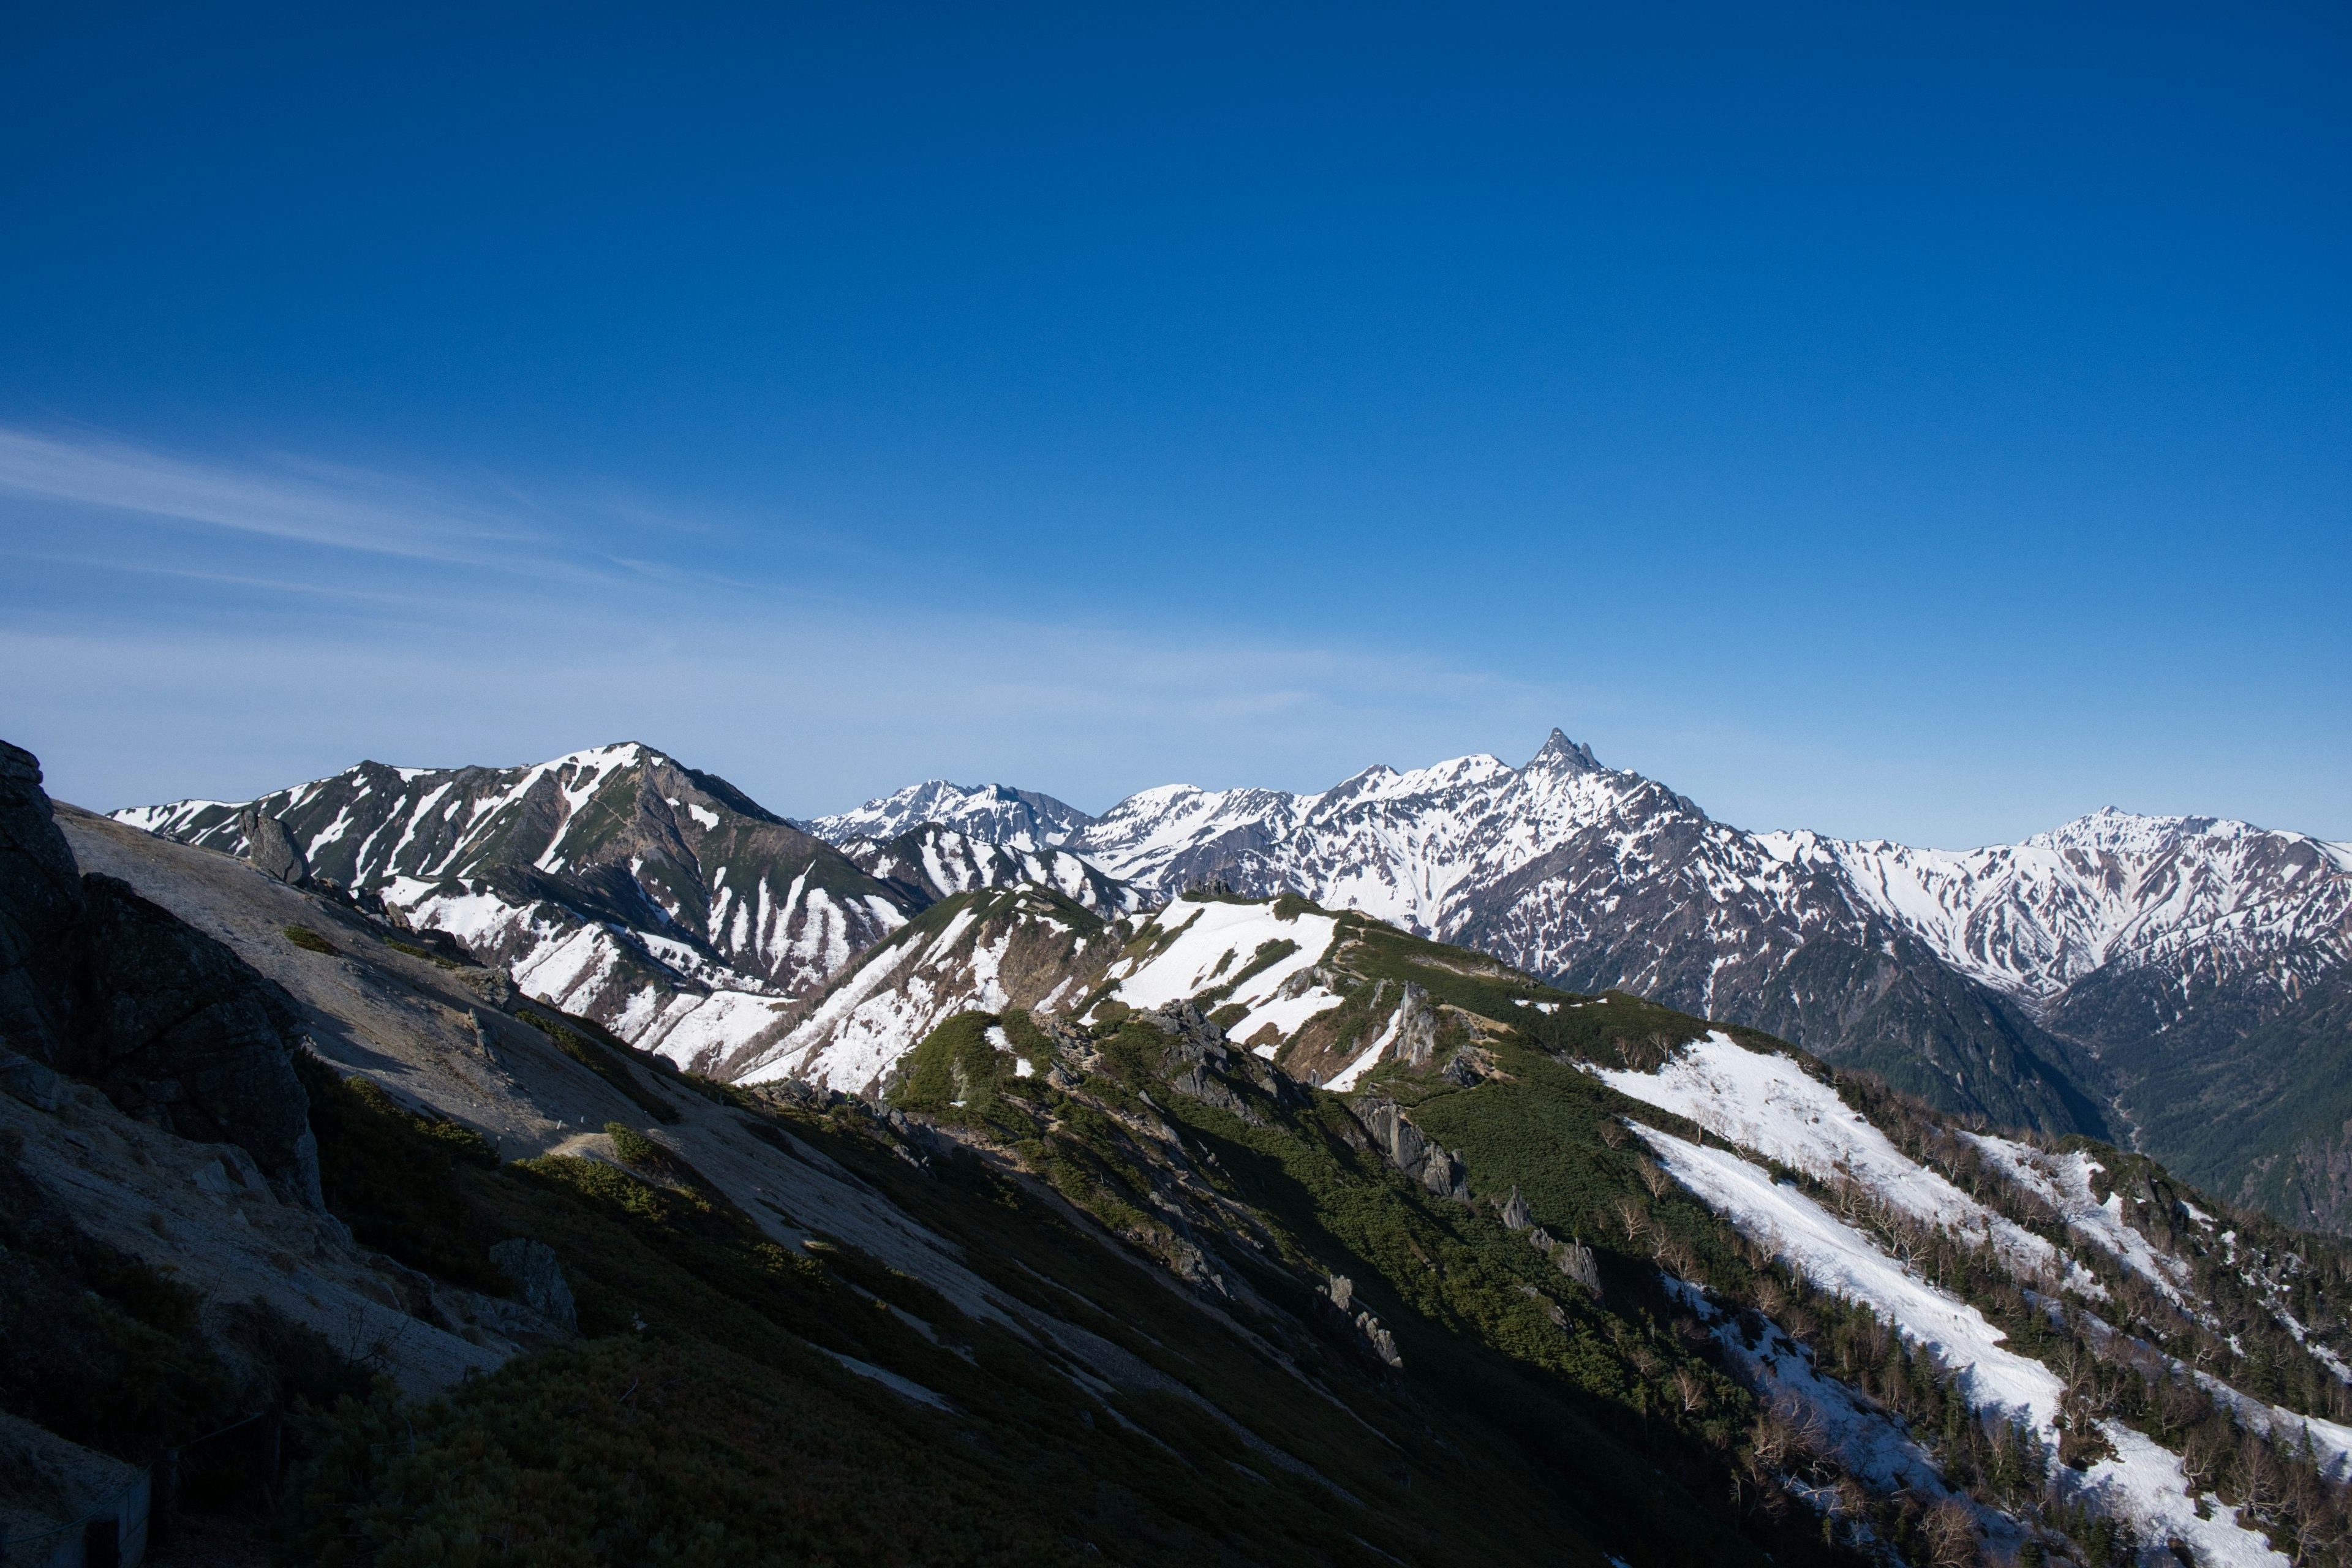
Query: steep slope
[
  {"x": 785, "y": 1326},
  {"x": 1956, "y": 1344},
  {"x": 2012, "y": 1304},
  {"x": 1543, "y": 1277},
  {"x": 986, "y": 951},
  {"x": 658, "y": 901}
]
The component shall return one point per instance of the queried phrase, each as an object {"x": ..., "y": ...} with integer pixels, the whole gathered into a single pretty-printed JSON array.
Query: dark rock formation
[
  {"x": 98, "y": 982},
  {"x": 538, "y": 1279},
  {"x": 40, "y": 914},
  {"x": 1205, "y": 1087},
  {"x": 182, "y": 1032},
  {"x": 1196, "y": 1039}
]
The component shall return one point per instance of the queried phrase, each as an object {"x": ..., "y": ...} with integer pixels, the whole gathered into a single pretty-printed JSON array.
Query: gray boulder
[{"x": 271, "y": 848}]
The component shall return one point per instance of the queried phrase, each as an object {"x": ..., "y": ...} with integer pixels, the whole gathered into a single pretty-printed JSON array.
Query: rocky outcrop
[
  {"x": 1402, "y": 1144},
  {"x": 538, "y": 1279},
  {"x": 1341, "y": 1291},
  {"x": 1416, "y": 1023},
  {"x": 100, "y": 985},
  {"x": 1575, "y": 1260},
  {"x": 1203, "y": 1085},
  {"x": 185, "y": 1034},
  {"x": 40, "y": 912},
  {"x": 272, "y": 848},
  {"x": 1196, "y": 1039}
]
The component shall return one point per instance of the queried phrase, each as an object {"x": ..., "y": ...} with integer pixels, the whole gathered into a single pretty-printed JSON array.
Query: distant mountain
[
  {"x": 932, "y": 862},
  {"x": 2117, "y": 977},
  {"x": 2178, "y": 983},
  {"x": 1020, "y": 818},
  {"x": 661, "y": 901}
]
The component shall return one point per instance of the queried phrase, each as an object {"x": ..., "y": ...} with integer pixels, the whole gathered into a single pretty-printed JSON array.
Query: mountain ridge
[
  {"x": 2027, "y": 982},
  {"x": 1233, "y": 1184},
  {"x": 2065, "y": 982}
]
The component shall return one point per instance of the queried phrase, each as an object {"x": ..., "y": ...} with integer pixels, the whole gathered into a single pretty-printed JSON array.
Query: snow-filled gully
[{"x": 1768, "y": 1106}]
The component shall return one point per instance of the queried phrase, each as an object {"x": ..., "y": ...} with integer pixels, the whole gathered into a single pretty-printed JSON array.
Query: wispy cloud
[
  {"x": 309, "y": 503},
  {"x": 211, "y": 658}
]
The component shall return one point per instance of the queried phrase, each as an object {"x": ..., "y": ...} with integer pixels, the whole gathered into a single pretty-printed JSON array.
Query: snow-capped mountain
[
  {"x": 1019, "y": 818},
  {"x": 658, "y": 900},
  {"x": 2055, "y": 982},
  {"x": 980, "y": 952},
  {"x": 2110, "y": 889},
  {"x": 932, "y": 862},
  {"x": 1449, "y": 848},
  {"x": 2129, "y": 976}
]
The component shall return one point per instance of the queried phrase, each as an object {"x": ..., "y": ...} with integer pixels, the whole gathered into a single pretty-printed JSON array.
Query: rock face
[
  {"x": 538, "y": 1279},
  {"x": 182, "y": 1032},
  {"x": 40, "y": 909},
  {"x": 272, "y": 848},
  {"x": 98, "y": 984},
  {"x": 1416, "y": 1026},
  {"x": 1402, "y": 1144}
]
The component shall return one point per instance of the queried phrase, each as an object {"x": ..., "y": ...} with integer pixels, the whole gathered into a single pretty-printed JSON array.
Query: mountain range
[
  {"x": 2177, "y": 983},
  {"x": 1158, "y": 1228}
]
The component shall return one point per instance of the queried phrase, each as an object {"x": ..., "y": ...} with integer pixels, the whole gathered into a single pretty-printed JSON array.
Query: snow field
[
  {"x": 2143, "y": 1480},
  {"x": 2063, "y": 1182},
  {"x": 1216, "y": 941},
  {"x": 1768, "y": 1104},
  {"x": 1366, "y": 1059}
]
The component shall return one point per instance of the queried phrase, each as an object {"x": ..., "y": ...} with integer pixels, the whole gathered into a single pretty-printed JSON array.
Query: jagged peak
[{"x": 1561, "y": 753}]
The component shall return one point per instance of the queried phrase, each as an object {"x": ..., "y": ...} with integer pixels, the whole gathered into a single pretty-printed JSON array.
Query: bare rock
[
  {"x": 1196, "y": 1039},
  {"x": 40, "y": 914},
  {"x": 28, "y": 1081},
  {"x": 182, "y": 1032},
  {"x": 1382, "y": 1342},
  {"x": 1402, "y": 1144},
  {"x": 1416, "y": 1026},
  {"x": 538, "y": 1279},
  {"x": 272, "y": 849},
  {"x": 1575, "y": 1260},
  {"x": 98, "y": 982}
]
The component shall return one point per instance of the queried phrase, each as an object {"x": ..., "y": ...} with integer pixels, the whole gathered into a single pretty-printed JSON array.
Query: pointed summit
[{"x": 1565, "y": 755}]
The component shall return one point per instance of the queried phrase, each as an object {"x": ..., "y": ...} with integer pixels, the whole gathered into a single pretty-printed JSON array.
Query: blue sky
[{"x": 1919, "y": 422}]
